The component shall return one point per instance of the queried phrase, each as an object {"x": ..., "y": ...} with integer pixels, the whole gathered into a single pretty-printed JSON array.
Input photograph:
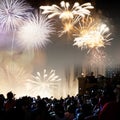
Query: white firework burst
[
  {"x": 64, "y": 12},
  {"x": 36, "y": 32},
  {"x": 13, "y": 13},
  {"x": 92, "y": 36},
  {"x": 43, "y": 84}
]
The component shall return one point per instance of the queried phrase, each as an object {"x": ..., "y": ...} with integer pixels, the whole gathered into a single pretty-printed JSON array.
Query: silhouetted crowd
[{"x": 97, "y": 103}]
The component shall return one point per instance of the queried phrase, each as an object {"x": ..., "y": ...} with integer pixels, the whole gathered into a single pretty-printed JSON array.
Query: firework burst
[
  {"x": 13, "y": 13},
  {"x": 35, "y": 32},
  {"x": 92, "y": 35},
  {"x": 64, "y": 12},
  {"x": 68, "y": 16},
  {"x": 43, "y": 84}
]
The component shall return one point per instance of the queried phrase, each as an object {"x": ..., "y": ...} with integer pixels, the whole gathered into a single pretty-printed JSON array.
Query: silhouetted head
[{"x": 10, "y": 95}]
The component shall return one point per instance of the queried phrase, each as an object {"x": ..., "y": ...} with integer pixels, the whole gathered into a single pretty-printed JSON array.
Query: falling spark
[
  {"x": 98, "y": 58},
  {"x": 13, "y": 13},
  {"x": 64, "y": 12},
  {"x": 35, "y": 32},
  {"x": 92, "y": 35},
  {"x": 44, "y": 84}
]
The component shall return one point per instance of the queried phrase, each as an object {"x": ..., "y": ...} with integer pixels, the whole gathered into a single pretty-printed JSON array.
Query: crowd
[{"x": 97, "y": 103}]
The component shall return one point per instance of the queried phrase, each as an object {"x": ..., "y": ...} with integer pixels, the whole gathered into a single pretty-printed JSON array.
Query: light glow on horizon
[{"x": 13, "y": 78}]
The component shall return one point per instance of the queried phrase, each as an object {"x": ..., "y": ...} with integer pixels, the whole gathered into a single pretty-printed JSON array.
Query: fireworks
[
  {"x": 69, "y": 16},
  {"x": 92, "y": 35},
  {"x": 43, "y": 84},
  {"x": 66, "y": 13},
  {"x": 13, "y": 13},
  {"x": 35, "y": 32}
]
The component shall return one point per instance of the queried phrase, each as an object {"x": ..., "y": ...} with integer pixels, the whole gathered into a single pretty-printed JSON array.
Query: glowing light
[
  {"x": 35, "y": 32},
  {"x": 92, "y": 35},
  {"x": 13, "y": 13},
  {"x": 13, "y": 78},
  {"x": 45, "y": 85},
  {"x": 68, "y": 27},
  {"x": 64, "y": 12}
]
